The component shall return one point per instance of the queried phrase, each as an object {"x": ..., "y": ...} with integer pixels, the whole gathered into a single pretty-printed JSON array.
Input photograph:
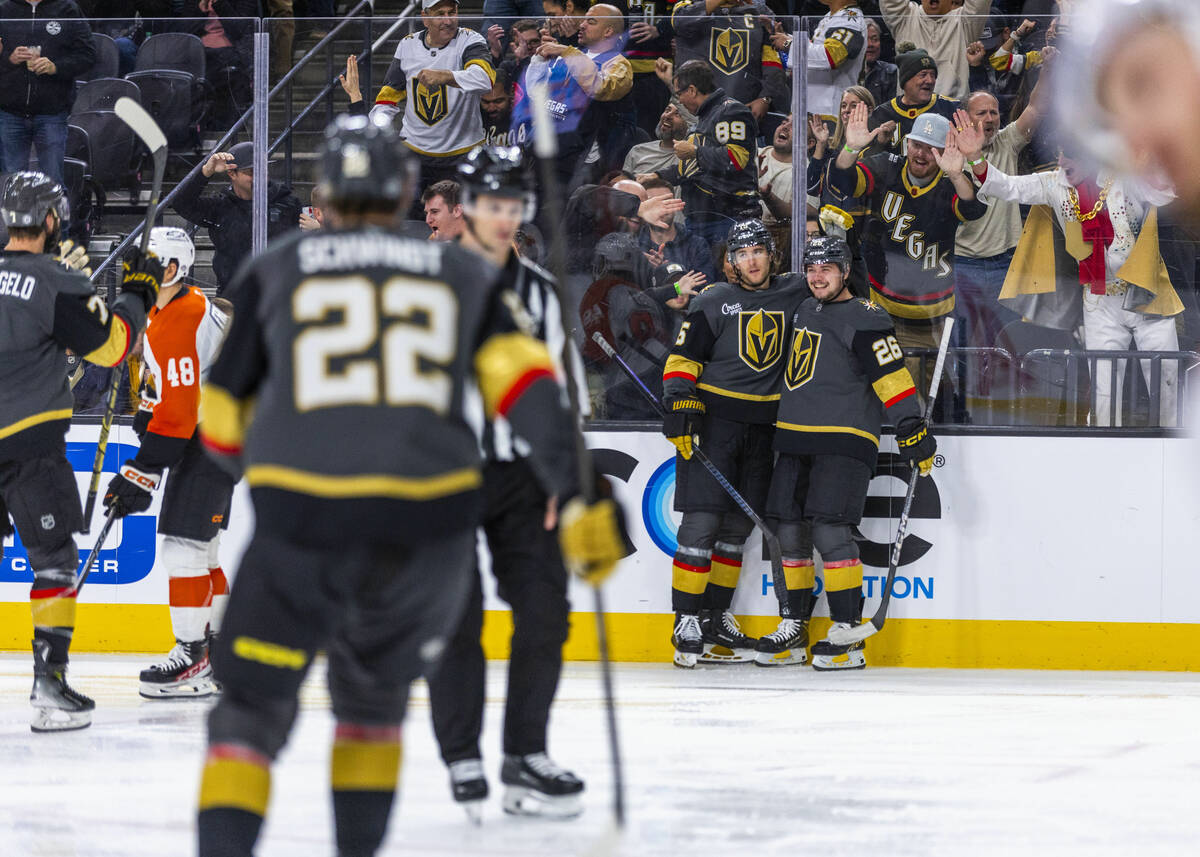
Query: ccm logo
[{"x": 139, "y": 478}]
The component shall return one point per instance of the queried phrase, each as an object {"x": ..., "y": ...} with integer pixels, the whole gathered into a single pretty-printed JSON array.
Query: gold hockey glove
[
  {"x": 593, "y": 538},
  {"x": 680, "y": 423},
  {"x": 74, "y": 256},
  {"x": 917, "y": 445}
]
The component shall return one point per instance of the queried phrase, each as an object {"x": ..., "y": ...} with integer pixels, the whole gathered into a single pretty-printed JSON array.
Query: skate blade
[
  {"x": 524, "y": 801},
  {"x": 715, "y": 654},
  {"x": 786, "y": 658},
  {"x": 190, "y": 690},
  {"x": 474, "y": 811},
  {"x": 57, "y": 720},
  {"x": 686, "y": 660},
  {"x": 833, "y": 663}
]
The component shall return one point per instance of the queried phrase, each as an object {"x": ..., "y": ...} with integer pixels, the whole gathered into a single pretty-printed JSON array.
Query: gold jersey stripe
[
  {"x": 749, "y": 397},
  {"x": 365, "y": 766},
  {"x": 916, "y": 311},
  {"x": 235, "y": 784},
  {"x": 364, "y": 484},
  {"x": 893, "y": 384},
  {"x": 505, "y": 359},
  {"x": 35, "y": 419},
  {"x": 843, "y": 577},
  {"x": 829, "y": 430},
  {"x": 225, "y": 418},
  {"x": 837, "y": 51},
  {"x": 114, "y": 348},
  {"x": 390, "y": 95},
  {"x": 678, "y": 363},
  {"x": 486, "y": 66},
  {"x": 740, "y": 155}
]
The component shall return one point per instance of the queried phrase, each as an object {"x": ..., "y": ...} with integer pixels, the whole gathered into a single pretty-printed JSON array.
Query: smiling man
[{"x": 918, "y": 77}]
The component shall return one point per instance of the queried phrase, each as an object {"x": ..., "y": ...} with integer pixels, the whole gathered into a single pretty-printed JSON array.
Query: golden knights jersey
[
  {"x": 908, "y": 243},
  {"x": 842, "y": 370},
  {"x": 905, "y": 117},
  {"x": 350, "y": 366},
  {"x": 730, "y": 348},
  {"x": 737, "y": 44},
  {"x": 445, "y": 120},
  {"x": 835, "y": 59}
]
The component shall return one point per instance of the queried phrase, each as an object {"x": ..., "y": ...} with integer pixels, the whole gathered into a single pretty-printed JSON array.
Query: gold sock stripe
[
  {"x": 725, "y": 572},
  {"x": 840, "y": 576},
  {"x": 692, "y": 579},
  {"x": 372, "y": 766},
  {"x": 802, "y": 575},
  {"x": 54, "y": 611},
  {"x": 235, "y": 783}
]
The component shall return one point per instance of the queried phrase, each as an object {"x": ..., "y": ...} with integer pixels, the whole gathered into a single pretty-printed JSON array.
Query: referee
[{"x": 521, "y": 535}]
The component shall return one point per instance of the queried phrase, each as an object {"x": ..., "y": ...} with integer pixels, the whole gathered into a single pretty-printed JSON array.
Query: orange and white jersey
[{"x": 182, "y": 341}]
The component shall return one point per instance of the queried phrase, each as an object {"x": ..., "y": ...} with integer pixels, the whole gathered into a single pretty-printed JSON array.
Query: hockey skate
[
  {"x": 185, "y": 673},
  {"x": 786, "y": 645},
  {"x": 469, "y": 787},
  {"x": 57, "y": 707},
  {"x": 724, "y": 642},
  {"x": 828, "y": 656},
  {"x": 535, "y": 786},
  {"x": 687, "y": 639}
]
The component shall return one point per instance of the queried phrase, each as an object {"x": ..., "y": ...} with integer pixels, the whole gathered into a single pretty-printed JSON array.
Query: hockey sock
[
  {"x": 723, "y": 576},
  {"x": 52, "y": 603},
  {"x": 190, "y": 586},
  {"x": 800, "y": 576},
  {"x": 843, "y": 583},
  {"x": 220, "y": 586},
  {"x": 689, "y": 578},
  {"x": 234, "y": 790},
  {"x": 364, "y": 769}
]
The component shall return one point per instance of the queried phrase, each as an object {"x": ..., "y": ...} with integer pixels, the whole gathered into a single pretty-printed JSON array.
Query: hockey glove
[
  {"x": 142, "y": 276},
  {"x": 681, "y": 421},
  {"x": 592, "y": 536},
  {"x": 129, "y": 491},
  {"x": 74, "y": 257},
  {"x": 917, "y": 445}
]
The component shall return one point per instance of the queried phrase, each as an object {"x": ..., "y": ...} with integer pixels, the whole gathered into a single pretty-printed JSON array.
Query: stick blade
[{"x": 142, "y": 123}]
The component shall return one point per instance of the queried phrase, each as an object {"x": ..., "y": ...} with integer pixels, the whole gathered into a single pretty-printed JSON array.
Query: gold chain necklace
[{"x": 1073, "y": 195}]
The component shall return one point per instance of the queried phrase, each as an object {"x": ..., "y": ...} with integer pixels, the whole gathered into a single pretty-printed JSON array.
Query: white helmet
[{"x": 172, "y": 243}]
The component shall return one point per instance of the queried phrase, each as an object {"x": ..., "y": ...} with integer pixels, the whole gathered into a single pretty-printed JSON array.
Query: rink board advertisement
[{"x": 1022, "y": 552}]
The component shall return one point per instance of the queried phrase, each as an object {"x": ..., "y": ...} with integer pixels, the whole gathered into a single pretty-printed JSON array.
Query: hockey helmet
[
  {"x": 617, "y": 253},
  {"x": 29, "y": 196},
  {"x": 172, "y": 243},
  {"x": 363, "y": 161},
  {"x": 827, "y": 250},
  {"x": 749, "y": 233},
  {"x": 498, "y": 171}
]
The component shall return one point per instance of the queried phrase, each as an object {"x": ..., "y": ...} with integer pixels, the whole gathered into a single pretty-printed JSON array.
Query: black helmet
[
  {"x": 825, "y": 249},
  {"x": 617, "y": 253},
  {"x": 363, "y": 160},
  {"x": 498, "y": 171},
  {"x": 749, "y": 233},
  {"x": 29, "y": 196}
]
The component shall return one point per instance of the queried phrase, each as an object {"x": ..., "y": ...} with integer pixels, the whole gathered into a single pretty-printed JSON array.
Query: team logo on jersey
[
  {"x": 430, "y": 104},
  {"x": 802, "y": 361},
  {"x": 760, "y": 338},
  {"x": 729, "y": 50}
]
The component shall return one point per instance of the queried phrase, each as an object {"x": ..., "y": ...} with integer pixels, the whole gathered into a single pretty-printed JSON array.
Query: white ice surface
[{"x": 719, "y": 761}]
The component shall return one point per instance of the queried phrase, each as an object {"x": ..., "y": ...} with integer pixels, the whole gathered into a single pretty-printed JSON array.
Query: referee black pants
[{"x": 530, "y": 576}]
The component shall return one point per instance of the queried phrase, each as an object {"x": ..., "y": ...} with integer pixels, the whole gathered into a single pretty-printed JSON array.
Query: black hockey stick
[
  {"x": 875, "y": 624},
  {"x": 773, "y": 549},
  {"x": 91, "y": 560},
  {"x": 143, "y": 125},
  {"x": 546, "y": 149}
]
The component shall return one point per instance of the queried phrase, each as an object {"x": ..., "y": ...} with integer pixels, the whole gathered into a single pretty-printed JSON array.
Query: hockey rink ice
[{"x": 732, "y": 760}]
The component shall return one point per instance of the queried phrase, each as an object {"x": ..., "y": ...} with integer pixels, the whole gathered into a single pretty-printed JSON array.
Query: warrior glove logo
[
  {"x": 430, "y": 103},
  {"x": 802, "y": 362},
  {"x": 760, "y": 336},
  {"x": 729, "y": 50}
]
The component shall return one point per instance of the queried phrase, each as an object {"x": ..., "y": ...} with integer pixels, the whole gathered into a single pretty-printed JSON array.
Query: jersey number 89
[
  {"x": 332, "y": 366},
  {"x": 726, "y": 131}
]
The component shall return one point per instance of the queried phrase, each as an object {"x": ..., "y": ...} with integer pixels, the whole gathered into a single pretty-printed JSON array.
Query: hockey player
[
  {"x": 183, "y": 336},
  {"x": 435, "y": 81},
  {"x": 364, "y": 548},
  {"x": 835, "y": 58},
  {"x": 844, "y": 369},
  {"x": 498, "y": 197},
  {"x": 721, "y": 383},
  {"x": 44, "y": 310}
]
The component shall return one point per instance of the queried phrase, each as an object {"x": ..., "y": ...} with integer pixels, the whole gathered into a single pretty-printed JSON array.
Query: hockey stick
[
  {"x": 546, "y": 149},
  {"x": 91, "y": 560},
  {"x": 773, "y": 549},
  {"x": 143, "y": 125},
  {"x": 875, "y": 624}
]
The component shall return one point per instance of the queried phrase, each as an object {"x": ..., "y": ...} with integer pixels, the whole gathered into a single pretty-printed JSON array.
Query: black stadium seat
[
  {"x": 102, "y": 94},
  {"x": 108, "y": 59},
  {"x": 169, "y": 70}
]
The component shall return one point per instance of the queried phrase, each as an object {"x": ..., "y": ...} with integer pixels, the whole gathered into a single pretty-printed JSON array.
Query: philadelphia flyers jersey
[
  {"x": 182, "y": 341},
  {"x": 908, "y": 243},
  {"x": 736, "y": 44},
  {"x": 445, "y": 120},
  {"x": 729, "y": 350},
  {"x": 843, "y": 369},
  {"x": 353, "y": 360}
]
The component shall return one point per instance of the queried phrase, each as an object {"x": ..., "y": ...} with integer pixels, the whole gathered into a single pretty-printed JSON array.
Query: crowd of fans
[{"x": 673, "y": 122}]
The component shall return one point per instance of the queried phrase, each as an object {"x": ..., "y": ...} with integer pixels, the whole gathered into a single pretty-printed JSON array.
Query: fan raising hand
[{"x": 951, "y": 159}]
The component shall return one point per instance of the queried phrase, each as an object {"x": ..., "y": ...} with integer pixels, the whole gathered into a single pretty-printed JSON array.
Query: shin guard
[{"x": 364, "y": 769}]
